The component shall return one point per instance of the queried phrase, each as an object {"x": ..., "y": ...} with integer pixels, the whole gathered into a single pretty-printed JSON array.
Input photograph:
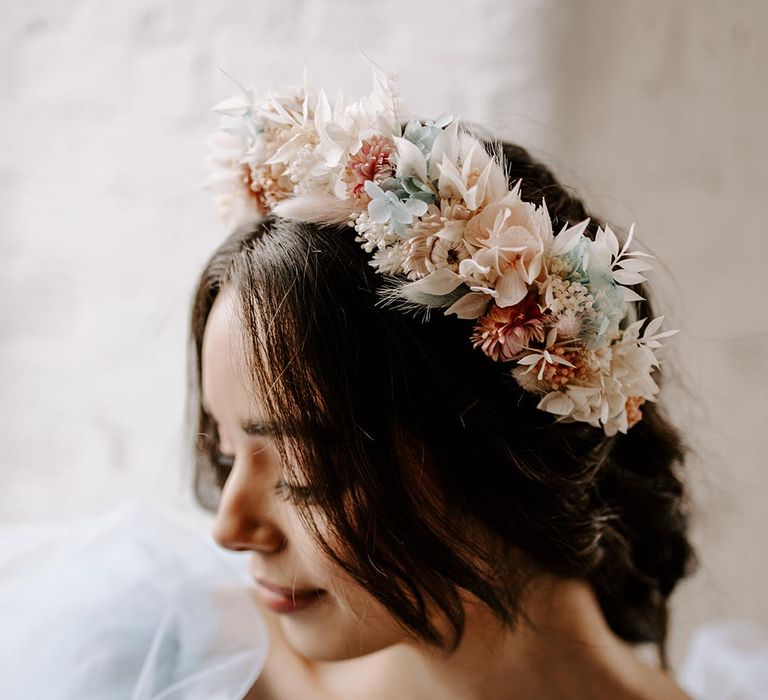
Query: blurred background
[{"x": 654, "y": 112}]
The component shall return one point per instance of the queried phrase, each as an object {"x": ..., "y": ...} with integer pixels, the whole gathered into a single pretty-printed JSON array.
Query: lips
[
  {"x": 282, "y": 599},
  {"x": 288, "y": 592}
]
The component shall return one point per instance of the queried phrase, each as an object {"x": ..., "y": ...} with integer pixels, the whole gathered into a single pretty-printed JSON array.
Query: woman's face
[{"x": 327, "y": 616}]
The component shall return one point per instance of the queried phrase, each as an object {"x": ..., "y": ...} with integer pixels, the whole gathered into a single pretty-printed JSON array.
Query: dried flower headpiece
[{"x": 435, "y": 210}]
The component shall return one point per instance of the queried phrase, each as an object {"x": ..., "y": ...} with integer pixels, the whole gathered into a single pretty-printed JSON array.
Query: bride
[{"x": 480, "y": 507}]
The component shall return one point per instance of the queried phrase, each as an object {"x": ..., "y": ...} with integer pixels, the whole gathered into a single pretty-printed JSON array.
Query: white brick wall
[{"x": 654, "y": 111}]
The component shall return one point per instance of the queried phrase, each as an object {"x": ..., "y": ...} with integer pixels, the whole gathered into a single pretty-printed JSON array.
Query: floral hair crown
[{"x": 436, "y": 211}]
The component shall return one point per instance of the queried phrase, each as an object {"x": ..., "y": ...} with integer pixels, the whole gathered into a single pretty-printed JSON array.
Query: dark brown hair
[{"x": 432, "y": 468}]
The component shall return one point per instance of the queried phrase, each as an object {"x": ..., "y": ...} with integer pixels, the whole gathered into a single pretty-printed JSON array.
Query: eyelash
[
  {"x": 303, "y": 495},
  {"x": 223, "y": 464}
]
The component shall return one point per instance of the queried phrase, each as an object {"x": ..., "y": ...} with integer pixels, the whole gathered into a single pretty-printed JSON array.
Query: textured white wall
[
  {"x": 654, "y": 111},
  {"x": 661, "y": 115}
]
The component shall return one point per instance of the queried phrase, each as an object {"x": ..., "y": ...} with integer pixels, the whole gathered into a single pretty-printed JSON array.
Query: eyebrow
[
  {"x": 264, "y": 428},
  {"x": 278, "y": 428}
]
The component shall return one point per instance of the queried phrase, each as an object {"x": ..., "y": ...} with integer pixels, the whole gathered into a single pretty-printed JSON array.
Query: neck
[{"x": 564, "y": 650}]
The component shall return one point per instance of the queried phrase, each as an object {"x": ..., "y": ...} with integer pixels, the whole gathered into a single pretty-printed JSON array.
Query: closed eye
[
  {"x": 303, "y": 495},
  {"x": 222, "y": 464}
]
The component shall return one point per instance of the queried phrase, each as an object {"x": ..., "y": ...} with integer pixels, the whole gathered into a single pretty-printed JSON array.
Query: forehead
[
  {"x": 226, "y": 384},
  {"x": 228, "y": 391}
]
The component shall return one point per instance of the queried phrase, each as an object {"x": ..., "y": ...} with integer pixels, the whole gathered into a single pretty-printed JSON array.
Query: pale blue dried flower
[
  {"x": 424, "y": 134},
  {"x": 385, "y": 206}
]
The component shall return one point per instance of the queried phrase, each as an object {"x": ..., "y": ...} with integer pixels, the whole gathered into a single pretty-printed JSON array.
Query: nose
[{"x": 241, "y": 522}]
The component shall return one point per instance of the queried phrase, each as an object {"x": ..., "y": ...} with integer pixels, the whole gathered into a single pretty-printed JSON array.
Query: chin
[{"x": 329, "y": 642}]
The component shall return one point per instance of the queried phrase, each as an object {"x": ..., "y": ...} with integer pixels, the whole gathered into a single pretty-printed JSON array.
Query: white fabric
[
  {"x": 131, "y": 605},
  {"x": 727, "y": 660},
  {"x": 141, "y": 606}
]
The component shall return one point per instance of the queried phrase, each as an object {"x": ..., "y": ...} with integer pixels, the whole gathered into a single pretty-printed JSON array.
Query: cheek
[{"x": 347, "y": 624}]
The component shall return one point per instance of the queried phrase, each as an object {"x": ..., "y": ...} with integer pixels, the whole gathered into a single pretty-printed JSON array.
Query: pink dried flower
[
  {"x": 503, "y": 332},
  {"x": 371, "y": 162}
]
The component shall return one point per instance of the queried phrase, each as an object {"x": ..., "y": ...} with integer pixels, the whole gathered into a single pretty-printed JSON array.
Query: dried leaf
[
  {"x": 654, "y": 326},
  {"x": 630, "y": 295},
  {"x": 640, "y": 254},
  {"x": 556, "y": 402},
  {"x": 627, "y": 277},
  {"x": 568, "y": 238},
  {"x": 634, "y": 265},
  {"x": 666, "y": 334},
  {"x": 608, "y": 238},
  {"x": 630, "y": 235},
  {"x": 411, "y": 161},
  {"x": 471, "y": 305},
  {"x": 440, "y": 282}
]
